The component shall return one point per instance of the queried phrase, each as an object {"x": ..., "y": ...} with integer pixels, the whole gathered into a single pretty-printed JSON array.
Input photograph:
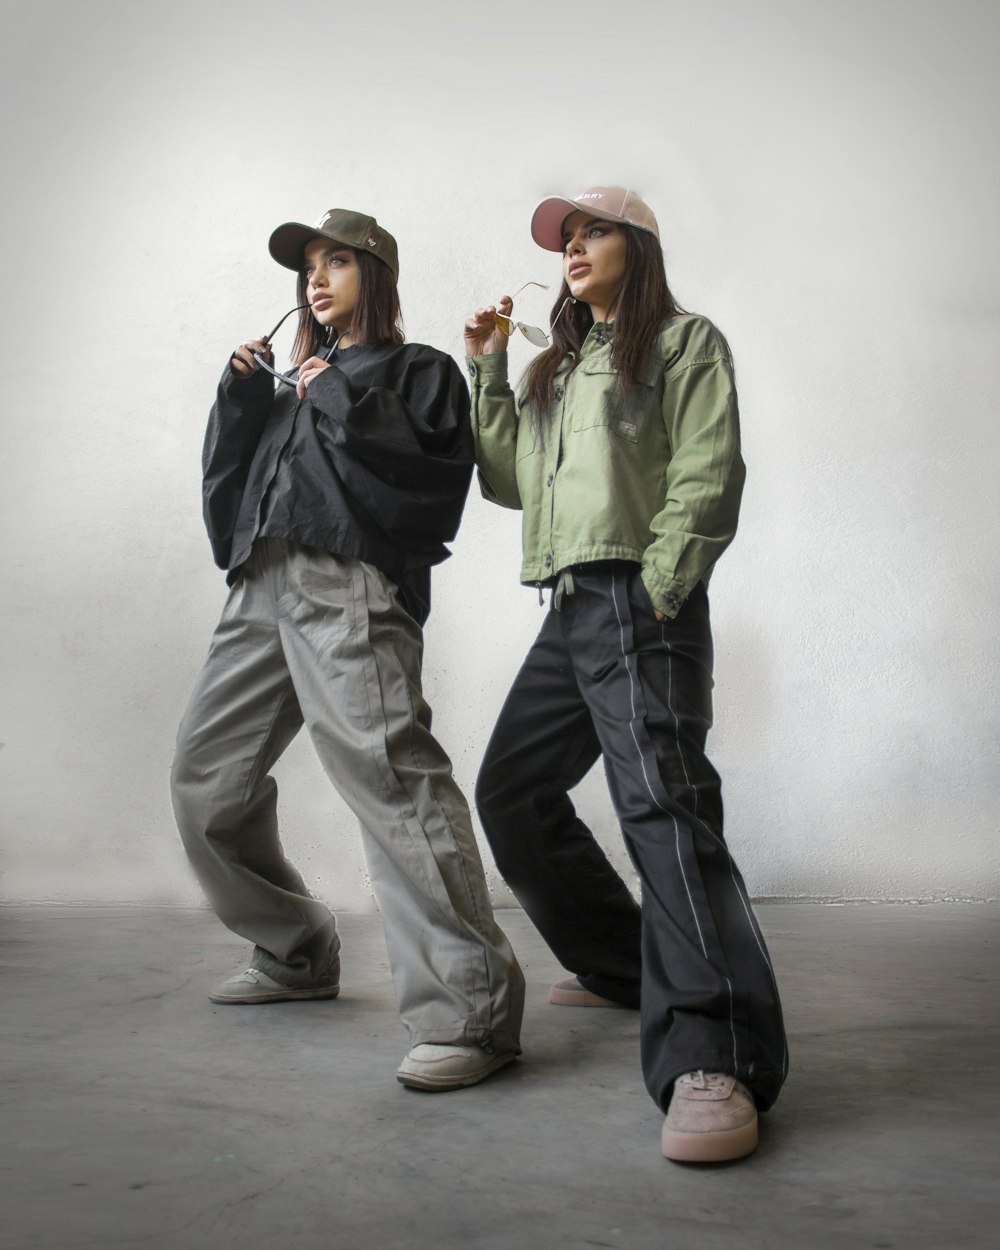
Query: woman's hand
[
  {"x": 307, "y": 372},
  {"x": 481, "y": 333},
  {"x": 242, "y": 361}
]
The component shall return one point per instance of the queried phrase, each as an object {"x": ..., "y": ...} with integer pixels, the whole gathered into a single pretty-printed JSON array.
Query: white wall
[{"x": 826, "y": 180}]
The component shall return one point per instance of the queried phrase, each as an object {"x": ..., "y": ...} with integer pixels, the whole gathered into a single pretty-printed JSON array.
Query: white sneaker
[
  {"x": 253, "y": 986},
  {"x": 433, "y": 1066}
]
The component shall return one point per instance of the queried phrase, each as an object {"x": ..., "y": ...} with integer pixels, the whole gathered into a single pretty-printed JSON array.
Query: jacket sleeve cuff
[
  {"x": 489, "y": 368},
  {"x": 666, "y": 597},
  {"x": 256, "y": 385}
]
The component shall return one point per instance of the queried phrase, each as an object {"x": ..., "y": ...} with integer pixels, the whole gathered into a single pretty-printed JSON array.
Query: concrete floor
[{"x": 137, "y": 1114}]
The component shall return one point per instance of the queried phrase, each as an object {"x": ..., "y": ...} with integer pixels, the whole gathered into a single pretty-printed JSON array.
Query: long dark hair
[
  {"x": 641, "y": 304},
  {"x": 377, "y": 317}
]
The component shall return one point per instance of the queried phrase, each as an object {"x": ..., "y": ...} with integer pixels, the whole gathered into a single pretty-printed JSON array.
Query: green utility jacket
[{"x": 656, "y": 478}]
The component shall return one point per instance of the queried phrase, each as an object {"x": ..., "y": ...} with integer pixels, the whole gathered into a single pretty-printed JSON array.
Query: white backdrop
[{"x": 826, "y": 180}]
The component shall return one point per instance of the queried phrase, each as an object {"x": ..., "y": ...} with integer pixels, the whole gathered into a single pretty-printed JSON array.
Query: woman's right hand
[
  {"x": 242, "y": 361},
  {"x": 481, "y": 333}
]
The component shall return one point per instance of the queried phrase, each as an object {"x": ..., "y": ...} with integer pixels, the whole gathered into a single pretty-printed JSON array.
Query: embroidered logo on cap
[{"x": 372, "y": 242}]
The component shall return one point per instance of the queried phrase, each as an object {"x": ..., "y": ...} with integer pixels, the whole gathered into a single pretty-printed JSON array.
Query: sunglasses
[
  {"x": 534, "y": 334},
  {"x": 283, "y": 377}
]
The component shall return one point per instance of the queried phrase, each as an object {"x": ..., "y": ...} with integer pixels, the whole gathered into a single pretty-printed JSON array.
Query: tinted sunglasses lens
[
  {"x": 534, "y": 335},
  {"x": 503, "y": 324}
]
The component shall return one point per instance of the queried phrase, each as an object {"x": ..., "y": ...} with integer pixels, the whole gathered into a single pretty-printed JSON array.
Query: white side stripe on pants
[{"x": 649, "y": 788}]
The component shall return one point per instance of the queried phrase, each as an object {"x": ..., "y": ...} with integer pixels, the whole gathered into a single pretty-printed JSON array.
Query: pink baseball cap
[{"x": 607, "y": 203}]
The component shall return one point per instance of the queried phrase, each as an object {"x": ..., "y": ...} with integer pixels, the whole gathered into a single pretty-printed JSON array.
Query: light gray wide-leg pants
[{"x": 307, "y": 637}]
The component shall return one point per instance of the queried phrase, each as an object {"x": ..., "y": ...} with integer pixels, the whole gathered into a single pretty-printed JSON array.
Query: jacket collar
[{"x": 598, "y": 337}]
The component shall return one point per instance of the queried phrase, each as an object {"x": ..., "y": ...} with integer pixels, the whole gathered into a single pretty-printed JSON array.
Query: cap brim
[
  {"x": 547, "y": 220},
  {"x": 288, "y": 242}
]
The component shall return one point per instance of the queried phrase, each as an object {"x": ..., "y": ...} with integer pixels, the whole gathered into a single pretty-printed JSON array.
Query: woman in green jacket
[{"x": 622, "y": 450}]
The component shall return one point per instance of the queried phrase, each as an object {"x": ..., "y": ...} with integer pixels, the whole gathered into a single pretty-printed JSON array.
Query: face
[
  {"x": 593, "y": 260},
  {"x": 332, "y": 282}
]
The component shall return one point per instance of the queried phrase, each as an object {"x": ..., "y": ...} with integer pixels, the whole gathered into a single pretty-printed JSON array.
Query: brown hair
[
  {"x": 641, "y": 304},
  {"x": 377, "y": 317}
]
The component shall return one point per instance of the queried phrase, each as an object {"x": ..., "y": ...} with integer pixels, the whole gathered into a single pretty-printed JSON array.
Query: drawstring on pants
[{"x": 564, "y": 586}]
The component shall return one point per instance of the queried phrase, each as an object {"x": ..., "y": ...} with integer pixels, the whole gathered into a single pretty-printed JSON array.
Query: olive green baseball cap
[{"x": 356, "y": 230}]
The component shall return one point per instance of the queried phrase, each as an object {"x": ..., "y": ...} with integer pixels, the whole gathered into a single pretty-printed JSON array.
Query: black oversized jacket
[{"x": 373, "y": 464}]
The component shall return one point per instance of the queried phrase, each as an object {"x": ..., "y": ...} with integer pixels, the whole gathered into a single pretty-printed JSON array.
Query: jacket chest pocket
[{"x": 597, "y": 398}]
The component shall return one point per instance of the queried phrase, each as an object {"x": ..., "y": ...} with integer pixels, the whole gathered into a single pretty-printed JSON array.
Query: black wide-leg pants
[{"x": 605, "y": 677}]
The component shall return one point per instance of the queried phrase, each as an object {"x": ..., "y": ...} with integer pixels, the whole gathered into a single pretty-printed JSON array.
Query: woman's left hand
[{"x": 307, "y": 372}]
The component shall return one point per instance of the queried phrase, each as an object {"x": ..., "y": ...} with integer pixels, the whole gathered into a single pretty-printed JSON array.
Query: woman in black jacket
[{"x": 329, "y": 493}]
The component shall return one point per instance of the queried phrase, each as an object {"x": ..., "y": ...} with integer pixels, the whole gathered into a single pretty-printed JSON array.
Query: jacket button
[
  {"x": 472, "y": 370},
  {"x": 548, "y": 562},
  {"x": 549, "y": 480},
  {"x": 558, "y": 392}
]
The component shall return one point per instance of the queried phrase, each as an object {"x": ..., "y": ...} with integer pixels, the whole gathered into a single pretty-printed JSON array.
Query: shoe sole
[
  {"x": 721, "y": 1147},
  {"x": 580, "y": 998},
  {"x": 276, "y": 996},
  {"x": 435, "y": 1084}
]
